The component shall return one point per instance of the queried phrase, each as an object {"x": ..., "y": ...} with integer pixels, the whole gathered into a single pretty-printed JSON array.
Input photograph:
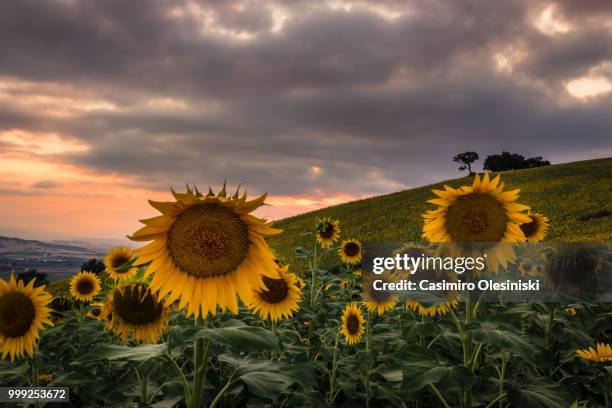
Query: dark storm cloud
[{"x": 374, "y": 102}]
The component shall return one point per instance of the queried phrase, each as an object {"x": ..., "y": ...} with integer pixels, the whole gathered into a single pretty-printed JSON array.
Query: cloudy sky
[{"x": 104, "y": 104}]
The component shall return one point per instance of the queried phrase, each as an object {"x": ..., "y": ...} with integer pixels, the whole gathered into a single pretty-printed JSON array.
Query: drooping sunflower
[
  {"x": 432, "y": 309},
  {"x": 136, "y": 309},
  {"x": 327, "y": 231},
  {"x": 600, "y": 354},
  {"x": 353, "y": 323},
  {"x": 117, "y": 263},
  {"x": 535, "y": 230},
  {"x": 378, "y": 301},
  {"x": 483, "y": 212},
  {"x": 350, "y": 251},
  {"x": 206, "y": 249},
  {"x": 279, "y": 299},
  {"x": 24, "y": 310},
  {"x": 84, "y": 286}
]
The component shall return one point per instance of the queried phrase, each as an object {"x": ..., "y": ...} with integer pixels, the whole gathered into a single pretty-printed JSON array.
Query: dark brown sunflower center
[
  {"x": 96, "y": 312},
  {"x": 352, "y": 324},
  {"x": 530, "y": 228},
  {"x": 276, "y": 290},
  {"x": 208, "y": 239},
  {"x": 352, "y": 249},
  {"x": 84, "y": 286},
  {"x": 118, "y": 261},
  {"x": 327, "y": 231},
  {"x": 17, "y": 313},
  {"x": 476, "y": 217},
  {"x": 137, "y": 305}
]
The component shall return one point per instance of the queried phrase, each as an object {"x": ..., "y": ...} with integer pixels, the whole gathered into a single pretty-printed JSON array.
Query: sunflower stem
[
  {"x": 34, "y": 363},
  {"x": 184, "y": 381},
  {"x": 315, "y": 264},
  {"x": 502, "y": 374},
  {"x": 142, "y": 382},
  {"x": 367, "y": 362},
  {"x": 227, "y": 385},
  {"x": 200, "y": 361},
  {"x": 332, "y": 379},
  {"x": 439, "y": 395}
]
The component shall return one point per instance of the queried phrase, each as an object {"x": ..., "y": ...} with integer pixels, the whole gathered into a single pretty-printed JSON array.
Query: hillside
[
  {"x": 58, "y": 260},
  {"x": 576, "y": 197}
]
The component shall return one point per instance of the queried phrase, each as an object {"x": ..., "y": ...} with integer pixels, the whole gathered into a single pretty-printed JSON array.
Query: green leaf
[
  {"x": 244, "y": 338},
  {"x": 417, "y": 377},
  {"x": 537, "y": 396},
  {"x": 249, "y": 365},
  {"x": 391, "y": 374},
  {"x": 118, "y": 352},
  {"x": 389, "y": 394},
  {"x": 266, "y": 384},
  {"x": 167, "y": 403},
  {"x": 301, "y": 252},
  {"x": 507, "y": 341}
]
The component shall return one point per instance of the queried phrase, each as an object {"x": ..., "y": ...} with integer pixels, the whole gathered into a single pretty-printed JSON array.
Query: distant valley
[{"x": 58, "y": 259}]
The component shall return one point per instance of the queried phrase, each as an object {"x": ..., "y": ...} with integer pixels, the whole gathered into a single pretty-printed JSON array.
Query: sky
[{"x": 105, "y": 104}]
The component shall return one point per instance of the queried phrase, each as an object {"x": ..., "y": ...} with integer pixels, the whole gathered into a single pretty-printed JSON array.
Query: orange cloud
[{"x": 46, "y": 198}]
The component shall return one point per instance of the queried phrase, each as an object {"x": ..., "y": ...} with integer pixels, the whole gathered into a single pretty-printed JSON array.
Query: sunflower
[
  {"x": 357, "y": 273},
  {"x": 117, "y": 263},
  {"x": 353, "y": 323},
  {"x": 535, "y": 230},
  {"x": 299, "y": 282},
  {"x": 134, "y": 308},
  {"x": 350, "y": 251},
  {"x": 570, "y": 310},
  {"x": 600, "y": 354},
  {"x": 24, "y": 310},
  {"x": 432, "y": 309},
  {"x": 84, "y": 286},
  {"x": 98, "y": 311},
  {"x": 483, "y": 212},
  {"x": 378, "y": 301},
  {"x": 279, "y": 299},
  {"x": 327, "y": 231},
  {"x": 206, "y": 249}
]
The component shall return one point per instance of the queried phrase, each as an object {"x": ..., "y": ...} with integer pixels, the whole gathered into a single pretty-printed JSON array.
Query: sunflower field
[{"x": 205, "y": 313}]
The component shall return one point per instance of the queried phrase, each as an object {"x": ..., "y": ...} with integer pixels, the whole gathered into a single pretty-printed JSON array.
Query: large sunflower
[
  {"x": 205, "y": 249},
  {"x": 84, "y": 286},
  {"x": 353, "y": 323},
  {"x": 24, "y": 310},
  {"x": 483, "y": 212},
  {"x": 327, "y": 231},
  {"x": 135, "y": 309},
  {"x": 378, "y": 301},
  {"x": 280, "y": 297},
  {"x": 117, "y": 263},
  {"x": 350, "y": 251},
  {"x": 535, "y": 230}
]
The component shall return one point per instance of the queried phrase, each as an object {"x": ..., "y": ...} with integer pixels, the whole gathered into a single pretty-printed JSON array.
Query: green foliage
[
  {"x": 512, "y": 161},
  {"x": 93, "y": 265}
]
